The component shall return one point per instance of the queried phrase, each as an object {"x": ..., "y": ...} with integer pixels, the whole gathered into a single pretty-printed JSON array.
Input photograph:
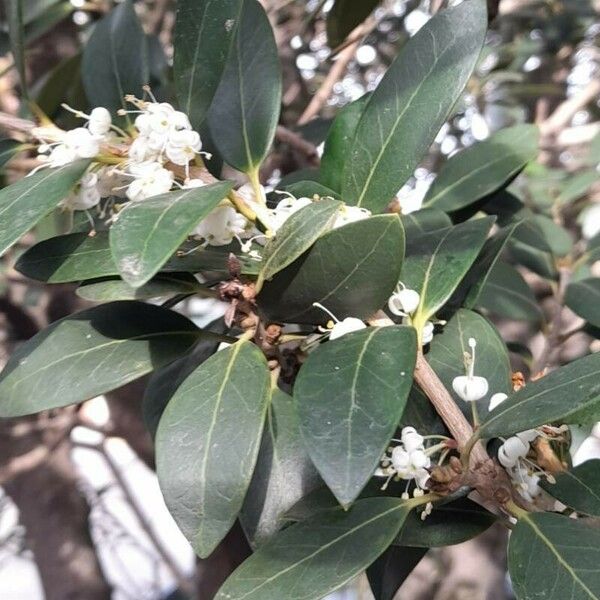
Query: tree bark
[{"x": 54, "y": 514}]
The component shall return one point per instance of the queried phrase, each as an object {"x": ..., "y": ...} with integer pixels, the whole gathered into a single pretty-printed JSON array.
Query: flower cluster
[{"x": 409, "y": 460}]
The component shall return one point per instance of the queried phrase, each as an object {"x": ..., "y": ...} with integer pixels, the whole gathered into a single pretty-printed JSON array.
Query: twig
[
  {"x": 554, "y": 330},
  {"x": 335, "y": 74},
  {"x": 566, "y": 111},
  {"x": 290, "y": 137}
]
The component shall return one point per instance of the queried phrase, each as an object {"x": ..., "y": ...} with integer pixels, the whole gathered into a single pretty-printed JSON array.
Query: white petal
[
  {"x": 470, "y": 389},
  {"x": 496, "y": 400},
  {"x": 348, "y": 325}
]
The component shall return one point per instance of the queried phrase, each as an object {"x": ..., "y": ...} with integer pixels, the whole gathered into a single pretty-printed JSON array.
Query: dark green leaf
[
  {"x": 310, "y": 189},
  {"x": 345, "y": 16},
  {"x": 91, "y": 352},
  {"x": 26, "y": 202},
  {"x": 59, "y": 81},
  {"x": 554, "y": 557},
  {"x": 436, "y": 261},
  {"x": 578, "y": 488},
  {"x": 576, "y": 186},
  {"x": 245, "y": 111},
  {"x": 414, "y": 98},
  {"x": 351, "y": 270},
  {"x": 163, "y": 383},
  {"x": 506, "y": 294},
  {"x": 350, "y": 395},
  {"x": 115, "y": 59},
  {"x": 583, "y": 298},
  {"x": 77, "y": 257},
  {"x": 426, "y": 219},
  {"x": 338, "y": 141},
  {"x": 8, "y": 148},
  {"x": 481, "y": 271},
  {"x": 446, "y": 354},
  {"x": 448, "y": 524},
  {"x": 163, "y": 285},
  {"x": 147, "y": 233},
  {"x": 204, "y": 30},
  {"x": 390, "y": 570},
  {"x": 16, "y": 32},
  {"x": 483, "y": 168},
  {"x": 297, "y": 235},
  {"x": 558, "y": 239},
  {"x": 544, "y": 401},
  {"x": 283, "y": 473},
  {"x": 208, "y": 440},
  {"x": 311, "y": 559}
]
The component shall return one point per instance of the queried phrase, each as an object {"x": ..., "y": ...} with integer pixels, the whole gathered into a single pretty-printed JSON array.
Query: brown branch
[
  {"x": 287, "y": 136},
  {"x": 335, "y": 74}
]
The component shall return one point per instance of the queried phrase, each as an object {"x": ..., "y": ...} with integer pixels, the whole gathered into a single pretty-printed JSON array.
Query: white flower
[
  {"x": 470, "y": 387},
  {"x": 140, "y": 150},
  {"x": 340, "y": 328},
  {"x": 193, "y": 183},
  {"x": 527, "y": 483},
  {"x": 182, "y": 146},
  {"x": 151, "y": 179},
  {"x": 427, "y": 334},
  {"x": 61, "y": 155},
  {"x": 347, "y": 325},
  {"x": 511, "y": 451},
  {"x": 86, "y": 196},
  {"x": 350, "y": 214},
  {"x": 286, "y": 208},
  {"x": 411, "y": 440},
  {"x": 403, "y": 301},
  {"x": 590, "y": 221},
  {"x": 82, "y": 142},
  {"x": 99, "y": 121},
  {"x": 221, "y": 226},
  {"x": 588, "y": 450},
  {"x": 496, "y": 400}
]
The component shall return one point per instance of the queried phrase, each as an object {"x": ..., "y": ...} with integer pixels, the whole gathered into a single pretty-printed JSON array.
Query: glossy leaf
[
  {"x": 351, "y": 270},
  {"x": 483, "y": 168},
  {"x": 339, "y": 139},
  {"x": 310, "y": 189},
  {"x": 350, "y": 395},
  {"x": 391, "y": 569},
  {"x": 481, "y": 271},
  {"x": 447, "y": 351},
  {"x": 554, "y": 557},
  {"x": 245, "y": 110},
  {"x": 448, "y": 524},
  {"x": 92, "y": 352},
  {"x": 26, "y": 202},
  {"x": 163, "y": 383},
  {"x": 77, "y": 257},
  {"x": 436, "y": 261},
  {"x": 8, "y": 148},
  {"x": 16, "y": 33},
  {"x": 544, "y": 401},
  {"x": 583, "y": 298},
  {"x": 298, "y": 233},
  {"x": 204, "y": 30},
  {"x": 414, "y": 98},
  {"x": 115, "y": 59},
  {"x": 116, "y": 289},
  {"x": 426, "y": 219},
  {"x": 208, "y": 440},
  {"x": 316, "y": 557},
  {"x": 344, "y": 16},
  {"x": 283, "y": 473},
  {"x": 148, "y": 233},
  {"x": 506, "y": 294},
  {"x": 578, "y": 488}
]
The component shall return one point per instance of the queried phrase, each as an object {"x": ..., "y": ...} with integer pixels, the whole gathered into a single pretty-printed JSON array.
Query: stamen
[{"x": 325, "y": 310}]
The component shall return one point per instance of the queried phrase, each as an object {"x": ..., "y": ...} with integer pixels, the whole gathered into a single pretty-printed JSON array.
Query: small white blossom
[
  {"x": 151, "y": 179},
  {"x": 496, "y": 400},
  {"x": 86, "y": 195},
  {"x": 99, "y": 122},
  {"x": 286, "y": 208},
  {"x": 403, "y": 301},
  {"x": 511, "y": 451},
  {"x": 350, "y": 214},
  {"x": 221, "y": 226},
  {"x": 340, "y": 328},
  {"x": 469, "y": 387},
  {"x": 427, "y": 333}
]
